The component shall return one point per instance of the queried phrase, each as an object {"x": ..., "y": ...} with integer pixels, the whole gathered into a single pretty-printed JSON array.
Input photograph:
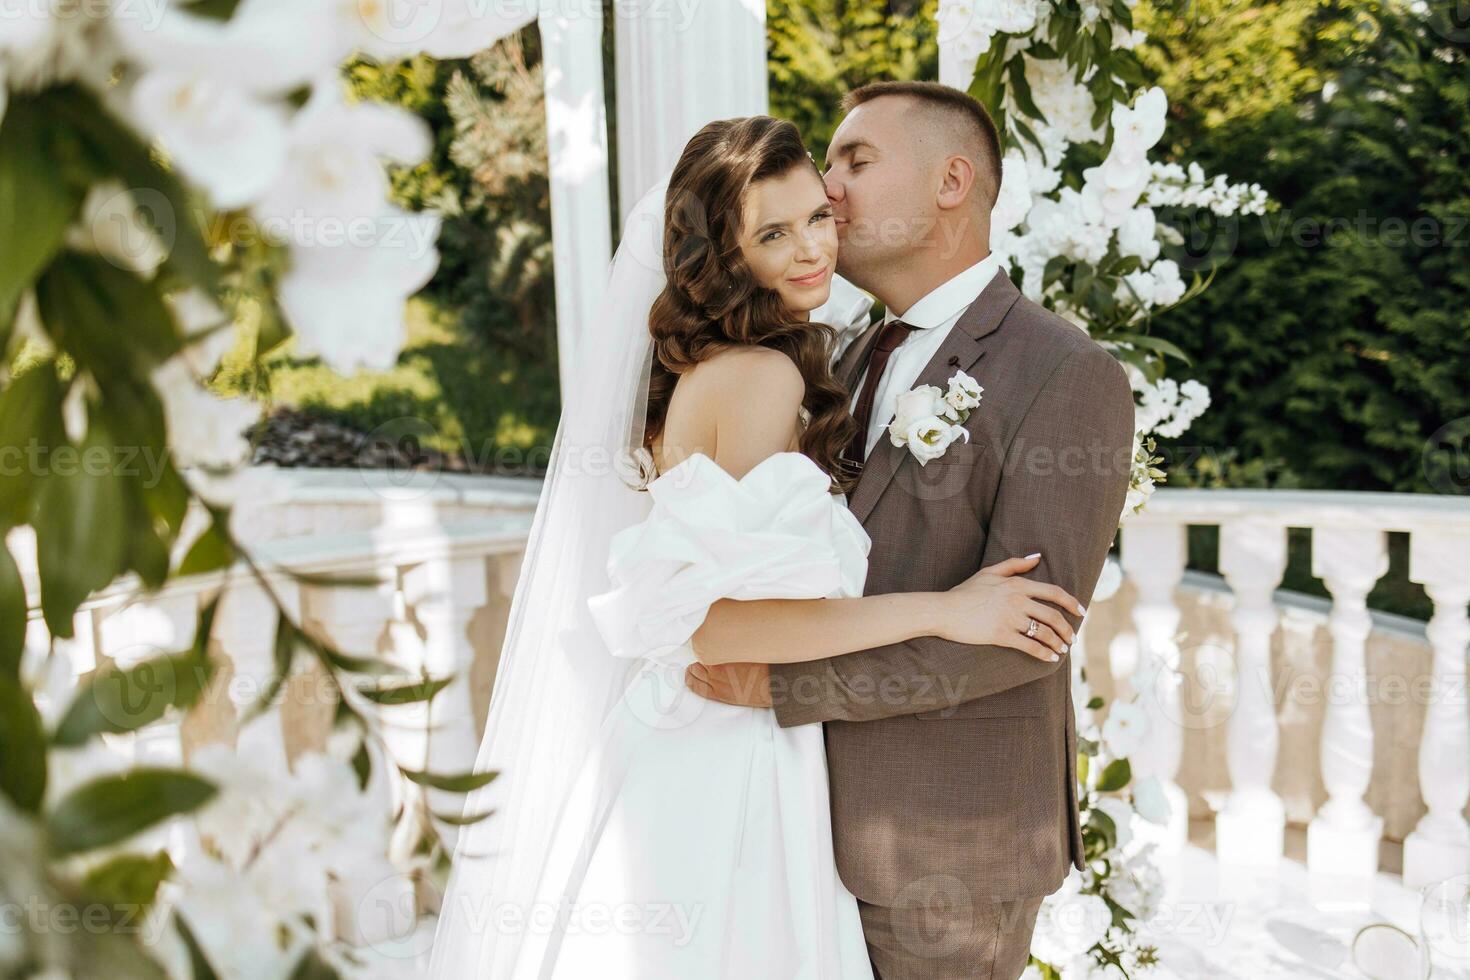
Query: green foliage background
[{"x": 1336, "y": 339}]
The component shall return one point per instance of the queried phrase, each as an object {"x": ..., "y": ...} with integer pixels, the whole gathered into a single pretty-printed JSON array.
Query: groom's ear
[{"x": 958, "y": 183}]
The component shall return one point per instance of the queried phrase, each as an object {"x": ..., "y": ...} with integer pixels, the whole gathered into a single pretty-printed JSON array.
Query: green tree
[
  {"x": 818, "y": 50},
  {"x": 1335, "y": 341}
]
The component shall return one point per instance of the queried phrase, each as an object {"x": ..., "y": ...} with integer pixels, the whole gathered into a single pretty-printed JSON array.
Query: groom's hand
[{"x": 743, "y": 684}]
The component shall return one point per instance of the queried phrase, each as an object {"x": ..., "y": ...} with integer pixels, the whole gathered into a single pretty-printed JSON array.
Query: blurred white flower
[
  {"x": 266, "y": 48},
  {"x": 346, "y": 302},
  {"x": 222, "y": 138},
  {"x": 111, "y": 224},
  {"x": 333, "y": 187},
  {"x": 199, "y": 320},
  {"x": 1125, "y": 729},
  {"x": 1069, "y": 923},
  {"x": 203, "y": 428},
  {"x": 1149, "y": 800},
  {"x": 1138, "y": 235},
  {"x": 1014, "y": 201},
  {"x": 1168, "y": 286},
  {"x": 1108, "y": 582},
  {"x": 1065, "y": 103}
]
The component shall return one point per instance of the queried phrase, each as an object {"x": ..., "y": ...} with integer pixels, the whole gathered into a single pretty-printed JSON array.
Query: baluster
[
  {"x": 1250, "y": 828},
  {"x": 1439, "y": 846},
  {"x": 1154, "y": 556},
  {"x": 372, "y": 904},
  {"x": 445, "y": 593},
  {"x": 244, "y": 632},
  {"x": 1343, "y": 838}
]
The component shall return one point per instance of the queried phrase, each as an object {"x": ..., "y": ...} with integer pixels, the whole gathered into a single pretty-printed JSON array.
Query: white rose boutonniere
[{"x": 927, "y": 420}]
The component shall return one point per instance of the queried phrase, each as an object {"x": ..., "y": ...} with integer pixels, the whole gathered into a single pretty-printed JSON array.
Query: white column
[
  {"x": 1250, "y": 828},
  {"x": 1342, "y": 839},
  {"x": 677, "y": 69},
  {"x": 576, "y": 140},
  {"x": 1439, "y": 846},
  {"x": 1153, "y": 558}
]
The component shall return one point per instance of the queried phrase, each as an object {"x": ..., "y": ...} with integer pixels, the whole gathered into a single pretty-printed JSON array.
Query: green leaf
[
  {"x": 115, "y": 150},
  {"x": 405, "y": 694},
  {"x": 1028, "y": 134},
  {"x": 1095, "y": 703},
  {"x": 463, "y": 819},
  {"x": 167, "y": 498},
  {"x": 128, "y": 880},
  {"x": 123, "y": 700},
  {"x": 1105, "y": 826},
  {"x": 36, "y": 201},
  {"x": 1115, "y": 776},
  {"x": 30, "y": 429},
  {"x": 111, "y": 321},
  {"x": 13, "y": 614},
  {"x": 22, "y": 747},
  {"x": 312, "y": 967},
  {"x": 1055, "y": 266},
  {"x": 1021, "y": 90},
  {"x": 211, "y": 551},
  {"x": 114, "y": 808},
  {"x": 353, "y": 665},
  {"x": 336, "y": 580},
  {"x": 1151, "y": 343},
  {"x": 459, "y": 783},
  {"x": 362, "y": 764},
  {"x": 272, "y": 330},
  {"x": 80, "y": 526},
  {"x": 283, "y": 655},
  {"x": 199, "y": 967}
]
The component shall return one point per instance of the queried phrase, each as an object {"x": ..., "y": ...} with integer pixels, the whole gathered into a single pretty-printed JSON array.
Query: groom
[{"x": 952, "y": 766}]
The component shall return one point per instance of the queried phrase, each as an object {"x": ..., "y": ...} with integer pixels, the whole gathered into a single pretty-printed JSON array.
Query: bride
[{"x": 637, "y": 831}]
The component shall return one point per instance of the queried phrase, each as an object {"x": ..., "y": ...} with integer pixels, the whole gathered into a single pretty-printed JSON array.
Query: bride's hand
[{"x": 996, "y": 606}]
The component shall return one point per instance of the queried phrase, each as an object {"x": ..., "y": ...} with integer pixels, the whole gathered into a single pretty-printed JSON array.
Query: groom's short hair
[{"x": 963, "y": 112}]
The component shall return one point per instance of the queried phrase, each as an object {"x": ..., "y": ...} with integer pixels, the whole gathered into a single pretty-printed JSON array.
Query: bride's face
[{"x": 788, "y": 237}]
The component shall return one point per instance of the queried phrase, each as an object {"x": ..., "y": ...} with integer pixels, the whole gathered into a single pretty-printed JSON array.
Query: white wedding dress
[{"x": 696, "y": 843}]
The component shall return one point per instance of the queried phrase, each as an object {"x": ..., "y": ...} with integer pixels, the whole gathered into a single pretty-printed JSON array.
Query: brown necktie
[{"x": 889, "y": 339}]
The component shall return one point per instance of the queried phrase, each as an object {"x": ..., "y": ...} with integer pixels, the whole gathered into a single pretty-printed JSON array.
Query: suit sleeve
[{"x": 1061, "y": 492}]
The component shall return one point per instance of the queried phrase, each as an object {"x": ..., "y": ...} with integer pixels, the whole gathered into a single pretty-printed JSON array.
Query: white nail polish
[
  {"x": 1081, "y": 609},
  {"x": 1055, "y": 657},
  {"x": 1034, "y": 554}
]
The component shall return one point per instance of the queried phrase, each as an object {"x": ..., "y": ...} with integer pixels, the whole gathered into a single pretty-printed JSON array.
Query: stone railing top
[{"x": 1308, "y": 508}]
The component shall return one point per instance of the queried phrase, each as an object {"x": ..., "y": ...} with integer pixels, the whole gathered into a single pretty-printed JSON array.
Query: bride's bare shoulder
[{"x": 753, "y": 371}]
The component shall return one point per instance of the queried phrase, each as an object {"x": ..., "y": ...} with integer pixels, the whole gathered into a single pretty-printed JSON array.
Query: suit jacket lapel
[
  {"x": 980, "y": 318},
  {"x": 849, "y": 365}
]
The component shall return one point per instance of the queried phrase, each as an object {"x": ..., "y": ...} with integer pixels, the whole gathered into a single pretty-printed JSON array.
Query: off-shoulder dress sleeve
[{"x": 776, "y": 533}]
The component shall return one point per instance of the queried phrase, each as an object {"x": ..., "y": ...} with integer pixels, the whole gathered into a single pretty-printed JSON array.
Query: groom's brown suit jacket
[{"x": 952, "y": 766}]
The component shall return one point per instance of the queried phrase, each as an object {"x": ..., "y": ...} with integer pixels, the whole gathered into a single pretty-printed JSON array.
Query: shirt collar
[{"x": 947, "y": 300}]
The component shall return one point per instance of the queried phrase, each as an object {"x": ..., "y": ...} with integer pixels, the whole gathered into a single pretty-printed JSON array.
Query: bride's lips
[{"x": 813, "y": 279}]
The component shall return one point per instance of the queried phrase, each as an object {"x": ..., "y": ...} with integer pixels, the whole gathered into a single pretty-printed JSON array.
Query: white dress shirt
[{"x": 932, "y": 316}]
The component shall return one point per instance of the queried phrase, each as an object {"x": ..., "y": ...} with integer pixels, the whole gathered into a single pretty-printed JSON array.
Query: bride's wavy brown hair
[{"x": 712, "y": 300}]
